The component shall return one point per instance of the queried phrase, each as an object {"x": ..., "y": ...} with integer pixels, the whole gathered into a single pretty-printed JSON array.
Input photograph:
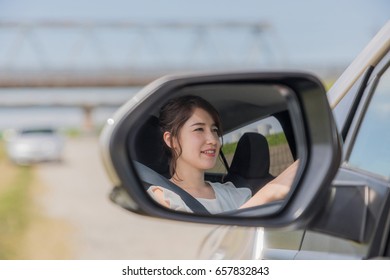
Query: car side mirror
[{"x": 297, "y": 99}]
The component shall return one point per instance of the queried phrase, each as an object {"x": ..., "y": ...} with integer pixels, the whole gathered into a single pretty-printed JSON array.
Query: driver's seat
[
  {"x": 251, "y": 163},
  {"x": 149, "y": 149}
]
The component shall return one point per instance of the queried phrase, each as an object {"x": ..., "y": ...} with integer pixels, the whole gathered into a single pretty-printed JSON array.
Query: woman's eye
[{"x": 199, "y": 129}]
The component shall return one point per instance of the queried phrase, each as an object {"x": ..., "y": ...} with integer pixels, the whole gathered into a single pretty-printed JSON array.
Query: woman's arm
[{"x": 277, "y": 189}]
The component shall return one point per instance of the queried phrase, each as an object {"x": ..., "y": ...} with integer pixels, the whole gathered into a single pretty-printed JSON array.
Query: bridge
[
  {"x": 77, "y": 54},
  {"x": 70, "y": 54}
]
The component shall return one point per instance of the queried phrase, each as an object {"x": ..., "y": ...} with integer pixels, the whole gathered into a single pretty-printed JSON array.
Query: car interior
[{"x": 238, "y": 106}]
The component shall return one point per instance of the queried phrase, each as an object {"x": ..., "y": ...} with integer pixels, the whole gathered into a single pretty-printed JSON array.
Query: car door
[{"x": 355, "y": 225}]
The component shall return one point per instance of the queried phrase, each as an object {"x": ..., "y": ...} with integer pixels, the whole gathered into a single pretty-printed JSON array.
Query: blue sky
[{"x": 310, "y": 31}]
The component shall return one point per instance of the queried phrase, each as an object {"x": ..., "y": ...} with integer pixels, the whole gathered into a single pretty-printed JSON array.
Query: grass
[
  {"x": 14, "y": 205},
  {"x": 276, "y": 139},
  {"x": 26, "y": 232}
]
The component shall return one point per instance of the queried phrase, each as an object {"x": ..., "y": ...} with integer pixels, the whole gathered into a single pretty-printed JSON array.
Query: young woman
[{"x": 191, "y": 132}]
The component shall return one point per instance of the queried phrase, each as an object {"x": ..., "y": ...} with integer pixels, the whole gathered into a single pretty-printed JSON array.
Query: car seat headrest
[{"x": 251, "y": 158}]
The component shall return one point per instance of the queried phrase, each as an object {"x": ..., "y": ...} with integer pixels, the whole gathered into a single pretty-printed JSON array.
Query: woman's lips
[{"x": 210, "y": 153}]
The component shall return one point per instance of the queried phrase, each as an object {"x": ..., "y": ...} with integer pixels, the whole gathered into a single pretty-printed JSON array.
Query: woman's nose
[{"x": 212, "y": 138}]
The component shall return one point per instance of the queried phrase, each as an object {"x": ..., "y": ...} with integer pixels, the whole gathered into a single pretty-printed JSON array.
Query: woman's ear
[{"x": 167, "y": 139}]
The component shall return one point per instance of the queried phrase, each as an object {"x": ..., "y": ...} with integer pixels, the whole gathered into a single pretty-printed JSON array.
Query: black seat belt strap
[{"x": 151, "y": 177}]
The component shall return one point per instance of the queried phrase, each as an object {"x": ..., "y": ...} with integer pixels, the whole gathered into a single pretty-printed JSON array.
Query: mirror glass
[{"x": 217, "y": 149}]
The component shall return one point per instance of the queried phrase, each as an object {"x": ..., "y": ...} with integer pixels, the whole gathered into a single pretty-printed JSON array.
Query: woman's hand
[
  {"x": 277, "y": 189},
  {"x": 157, "y": 194}
]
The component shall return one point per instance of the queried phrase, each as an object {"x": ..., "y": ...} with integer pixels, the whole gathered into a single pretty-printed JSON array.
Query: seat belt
[
  {"x": 225, "y": 162},
  {"x": 151, "y": 177}
]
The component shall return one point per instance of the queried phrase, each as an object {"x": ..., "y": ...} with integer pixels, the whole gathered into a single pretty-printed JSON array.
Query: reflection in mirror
[{"x": 214, "y": 149}]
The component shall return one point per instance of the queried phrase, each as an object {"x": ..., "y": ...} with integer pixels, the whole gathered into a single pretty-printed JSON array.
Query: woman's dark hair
[{"x": 175, "y": 113}]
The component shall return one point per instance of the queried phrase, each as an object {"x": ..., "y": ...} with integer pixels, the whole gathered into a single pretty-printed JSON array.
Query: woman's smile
[{"x": 210, "y": 152}]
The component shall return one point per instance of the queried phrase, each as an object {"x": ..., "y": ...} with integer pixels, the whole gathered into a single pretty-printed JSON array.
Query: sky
[
  {"x": 309, "y": 30},
  {"x": 327, "y": 33}
]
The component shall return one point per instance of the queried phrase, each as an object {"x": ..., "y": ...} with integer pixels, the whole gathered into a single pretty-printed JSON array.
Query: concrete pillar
[
  {"x": 88, "y": 125},
  {"x": 264, "y": 129}
]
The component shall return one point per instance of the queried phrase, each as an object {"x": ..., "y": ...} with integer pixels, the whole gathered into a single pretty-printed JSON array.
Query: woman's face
[{"x": 199, "y": 141}]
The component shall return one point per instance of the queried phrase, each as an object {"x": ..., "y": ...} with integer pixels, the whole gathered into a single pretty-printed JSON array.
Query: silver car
[{"x": 27, "y": 146}]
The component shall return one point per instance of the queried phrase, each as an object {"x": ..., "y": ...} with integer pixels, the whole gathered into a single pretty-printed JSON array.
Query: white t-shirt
[{"x": 227, "y": 198}]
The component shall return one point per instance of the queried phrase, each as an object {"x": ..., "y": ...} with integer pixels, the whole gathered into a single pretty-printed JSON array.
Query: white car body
[{"x": 27, "y": 146}]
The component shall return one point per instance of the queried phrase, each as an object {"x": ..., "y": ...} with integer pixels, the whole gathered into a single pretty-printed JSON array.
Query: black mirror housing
[{"x": 316, "y": 139}]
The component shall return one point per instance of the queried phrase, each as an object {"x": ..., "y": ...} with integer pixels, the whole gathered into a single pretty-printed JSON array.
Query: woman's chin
[{"x": 208, "y": 166}]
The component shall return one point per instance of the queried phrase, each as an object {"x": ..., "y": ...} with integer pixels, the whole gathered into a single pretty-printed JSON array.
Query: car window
[
  {"x": 371, "y": 149},
  {"x": 280, "y": 153}
]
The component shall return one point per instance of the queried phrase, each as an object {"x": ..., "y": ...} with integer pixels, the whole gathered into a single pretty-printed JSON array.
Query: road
[{"x": 76, "y": 192}]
